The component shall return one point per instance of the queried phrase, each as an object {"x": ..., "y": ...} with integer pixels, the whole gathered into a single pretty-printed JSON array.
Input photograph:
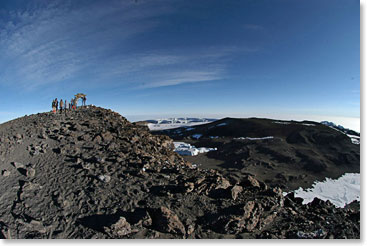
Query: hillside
[
  {"x": 288, "y": 154},
  {"x": 92, "y": 174}
]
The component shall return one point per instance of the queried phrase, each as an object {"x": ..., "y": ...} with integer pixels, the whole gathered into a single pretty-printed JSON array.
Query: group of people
[{"x": 65, "y": 105}]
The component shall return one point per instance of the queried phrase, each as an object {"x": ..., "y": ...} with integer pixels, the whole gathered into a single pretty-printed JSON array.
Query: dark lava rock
[
  {"x": 165, "y": 220},
  {"x": 93, "y": 174},
  {"x": 302, "y": 152}
]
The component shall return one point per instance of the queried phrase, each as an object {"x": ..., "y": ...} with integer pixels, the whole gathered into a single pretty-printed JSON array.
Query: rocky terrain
[
  {"x": 285, "y": 154},
  {"x": 90, "y": 173}
]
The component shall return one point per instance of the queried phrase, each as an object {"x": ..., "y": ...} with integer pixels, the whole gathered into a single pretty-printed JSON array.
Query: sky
[{"x": 284, "y": 59}]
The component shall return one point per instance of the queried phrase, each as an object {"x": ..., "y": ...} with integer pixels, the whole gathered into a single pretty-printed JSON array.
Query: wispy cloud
[
  {"x": 60, "y": 42},
  {"x": 184, "y": 77},
  {"x": 56, "y": 42},
  {"x": 170, "y": 67}
]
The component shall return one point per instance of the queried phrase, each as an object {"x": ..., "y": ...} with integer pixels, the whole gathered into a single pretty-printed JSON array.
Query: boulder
[
  {"x": 250, "y": 181},
  {"x": 165, "y": 220},
  {"x": 120, "y": 228},
  {"x": 235, "y": 191}
]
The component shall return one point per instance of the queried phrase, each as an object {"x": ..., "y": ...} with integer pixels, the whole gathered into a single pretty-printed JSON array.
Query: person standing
[
  {"x": 53, "y": 106},
  {"x": 61, "y": 105},
  {"x": 66, "y": 105},
  {"x": 56, "y": 104}
]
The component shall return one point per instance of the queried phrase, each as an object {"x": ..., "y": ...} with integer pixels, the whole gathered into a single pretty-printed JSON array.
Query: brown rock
[
  {"x": 248, "y": 208},
  {"x": 250, "y": 182},
  {"x": 107, "y": 136},
  {"x": 31, "y": 172},
  {"x": 5, "y": 173},
  {"x": 268, "y": 219},
  {"x": 252, "y": 223},
  {"x": 165, "y": 220},
  {"x": 146, "y": 220},
  {"x": 199, "y": 180},
  {"x": 189, "y": 187},
  {"x": 18, "y": 165},
  {"x": 222, "y": 183},
  {"x": 97, "y": 139},
  {"x": 120, "y": 228},
  {"x": 235, "y": 191}
]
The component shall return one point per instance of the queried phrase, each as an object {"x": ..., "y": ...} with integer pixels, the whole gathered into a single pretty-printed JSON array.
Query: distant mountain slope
[{"x": 286, "y": 153}]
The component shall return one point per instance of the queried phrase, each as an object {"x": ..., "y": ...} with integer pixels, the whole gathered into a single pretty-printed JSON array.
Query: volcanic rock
[
  {"x": 287, "y": 154},
  {"x": 167, "y": 221},
  {"x": 130, "y": 184}
]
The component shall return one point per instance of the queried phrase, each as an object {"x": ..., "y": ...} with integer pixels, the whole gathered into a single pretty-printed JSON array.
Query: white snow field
[
  {"x": 288, "y": 123},
  {"x": 354, "y": 139},
  {"x": 340, "y": 191},
  {"x": 253, "y": 139},
  {"x": 281, "y": 122},
  {"x": 305, "y": 124},
  {"x": 188, "y": 149}
]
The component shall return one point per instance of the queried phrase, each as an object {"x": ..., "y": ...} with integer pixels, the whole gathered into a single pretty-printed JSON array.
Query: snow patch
[
  {"x": 355, "y": 141},
  {"x": 305, "y": 124},
  {"x": 222, "y": 124},
  {"x": 187, "y": 149},
  {"x": 340, "y": 191},
  {"x": 252, "y": 139},
  {"x": 197, "y": 136},
  {"x": 281, "y": 122},
  {"x": 288, "y": 123}
]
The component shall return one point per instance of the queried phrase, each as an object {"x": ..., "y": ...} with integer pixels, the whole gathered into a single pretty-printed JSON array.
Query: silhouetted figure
[
  {"x": 61, "y": 105},
  {"x": 56, "y": 104},
  {"x": 66, "y": 105}
]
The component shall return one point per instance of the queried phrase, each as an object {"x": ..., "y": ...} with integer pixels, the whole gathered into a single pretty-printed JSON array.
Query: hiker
[
  {"x": 84, "y": 99},
  {"x": 75, "y": 102},
  {"x": 61, "y": 105},
  {"x": 71, "y": 104},
  {"x": 53, "y": 106},
  {"x": 66, "y": 105},
  {"x": 56, "y": 104}
]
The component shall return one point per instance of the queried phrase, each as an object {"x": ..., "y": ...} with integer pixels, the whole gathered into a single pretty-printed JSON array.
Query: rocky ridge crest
[{"x": 90, "y": 173}]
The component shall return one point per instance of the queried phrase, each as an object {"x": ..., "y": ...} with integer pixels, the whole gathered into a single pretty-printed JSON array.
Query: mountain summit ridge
[{"x": 90, "y": 173}]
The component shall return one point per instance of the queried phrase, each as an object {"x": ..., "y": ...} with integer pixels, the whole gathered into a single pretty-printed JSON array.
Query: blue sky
[{"x": 276, "y": 58}]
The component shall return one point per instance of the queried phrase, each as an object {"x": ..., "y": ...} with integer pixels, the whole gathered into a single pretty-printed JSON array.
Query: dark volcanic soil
[
  {"x": 92, "y": 174},
  {"x": 298, "y": 154}
]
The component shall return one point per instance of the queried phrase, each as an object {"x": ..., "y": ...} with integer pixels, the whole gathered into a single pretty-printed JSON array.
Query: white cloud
[{"x": 185, "y": 77}]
